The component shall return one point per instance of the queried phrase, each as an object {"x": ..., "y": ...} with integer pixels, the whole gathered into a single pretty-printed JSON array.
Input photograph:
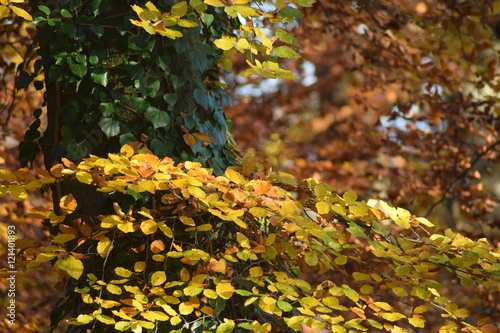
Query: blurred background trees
[{"x": 396, "y": 100}]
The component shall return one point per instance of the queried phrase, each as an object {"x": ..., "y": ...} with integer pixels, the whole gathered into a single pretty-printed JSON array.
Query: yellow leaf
[
  {"x": 167, "y": 231},
  {"x": 341, "y": 260},
  {"x": 6, "y": 174},
  {"x": 461, "y": 313},
  {"x": 114, "y": 289},
  {"x": 399, "y": 292},
  {"x": 271, "y": 238},
  {"x": 72, "y": 266},
  {"x": 185, "y": 308},
  {"x": 243, "y": 240},
  {"x": 322, "y": 207},
  {"x": 123, "y": 272},
  {"x": 4, "y": 11},
  {"x": 104, "y": 246},
  {"x": 187, "y": 221},
  {"x": 225, "y": 43},
  {"x": 155, "y": 315},
  {"x": 392, "y": 316},
  {"x": 196, "y": 254},
  {"x": 192, "y": 290},
  {"x": 210, "y": 293},
  {"x": 139, "y": 266},
  {"x": 366, "y": 289},
  {"x": 424, "y": 221},
  {"x": 225, "y": 290},
  {"x": 256, "y": 271},
  {"x": 311, "y": 258},
  {"x": 105, "y": 319},
  {"x": 358, "y": 209},
  {"x": 226, "y": 327},
  {"x": 360, "y": 276},
  {"x": 158, "y": 278},
  {"x": 383, "y": 305},
  {"x": 180, "y": 9},
  {"x": 63, "y": 238},
  {"x": 197, "y": 192},
  {"x": 18, "y": 192},
  {"x": 149, "y": 227},
  {"x": 207, "y": 310},
  {"x": 214, "y": 3},
  {"x": 416, "y": 322},
  {"x": 43, "y": 257},
  {"x": 175, "y": 320},
  {"x": 234, "y": 176},
  {"x": 172, "y": 34},
  {"x": 84, "y": 177},
  {"x": 188, "y": 24},
  {"x": 267, "y": 304},
  {"x": 204, "y": 227},
  {"x": 21, "y": 12},
  {"x": 84, "y": 319},
  {"x": 350, "y": 196}
]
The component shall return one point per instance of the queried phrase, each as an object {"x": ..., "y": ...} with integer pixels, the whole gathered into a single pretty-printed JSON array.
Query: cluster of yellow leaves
[
  {"x": 154, "y": 21},
  {"x": 250, "y": 40},
  {"x": 6, "y": 6},
  {"x": 388, "y": 252}
]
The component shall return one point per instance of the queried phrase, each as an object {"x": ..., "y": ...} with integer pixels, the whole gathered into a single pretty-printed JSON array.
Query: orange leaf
[
  {"x": 189, "y": 139},
  {"x": 202, "y": 136},
  {"x": 68, "y": 204},
  {"x": 157, "y": 246},
  {"x": 185, "y": 276}
]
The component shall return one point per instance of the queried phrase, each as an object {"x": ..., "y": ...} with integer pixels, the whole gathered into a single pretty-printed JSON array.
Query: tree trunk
[{"x": 109, "y": 83}]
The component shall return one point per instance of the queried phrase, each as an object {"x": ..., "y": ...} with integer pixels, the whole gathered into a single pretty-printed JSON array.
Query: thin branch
[{"x": 462, "y": 175}]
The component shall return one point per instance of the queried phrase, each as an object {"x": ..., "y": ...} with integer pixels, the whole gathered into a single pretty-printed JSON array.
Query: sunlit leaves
[
  {"x": 325, "y": 231},
  {"x": 225, "y": 290},
  {"x": 153, "y": 21},
  {"x": 72, "y": 266},
  {"x": 158, "y": 278}
]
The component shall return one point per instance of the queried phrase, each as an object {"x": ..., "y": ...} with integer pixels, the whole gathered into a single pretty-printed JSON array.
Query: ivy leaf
[
  {"x": 78, "y": 69},
  {"x": 66, "y": 13},
  {"x": 157, "y": 117},
  {"x": 100, "y": 76},
  {"x": 44, "y": 9},
  {"x": 109, "y": 126}
]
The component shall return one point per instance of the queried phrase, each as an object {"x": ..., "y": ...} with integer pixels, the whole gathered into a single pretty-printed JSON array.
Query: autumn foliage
[
  {"x": 158, "y": 225},
  {"x": 155, "y": 271}
]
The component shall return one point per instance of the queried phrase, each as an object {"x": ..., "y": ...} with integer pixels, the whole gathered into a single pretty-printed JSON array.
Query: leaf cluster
[{"x": 194, "y": 251}]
